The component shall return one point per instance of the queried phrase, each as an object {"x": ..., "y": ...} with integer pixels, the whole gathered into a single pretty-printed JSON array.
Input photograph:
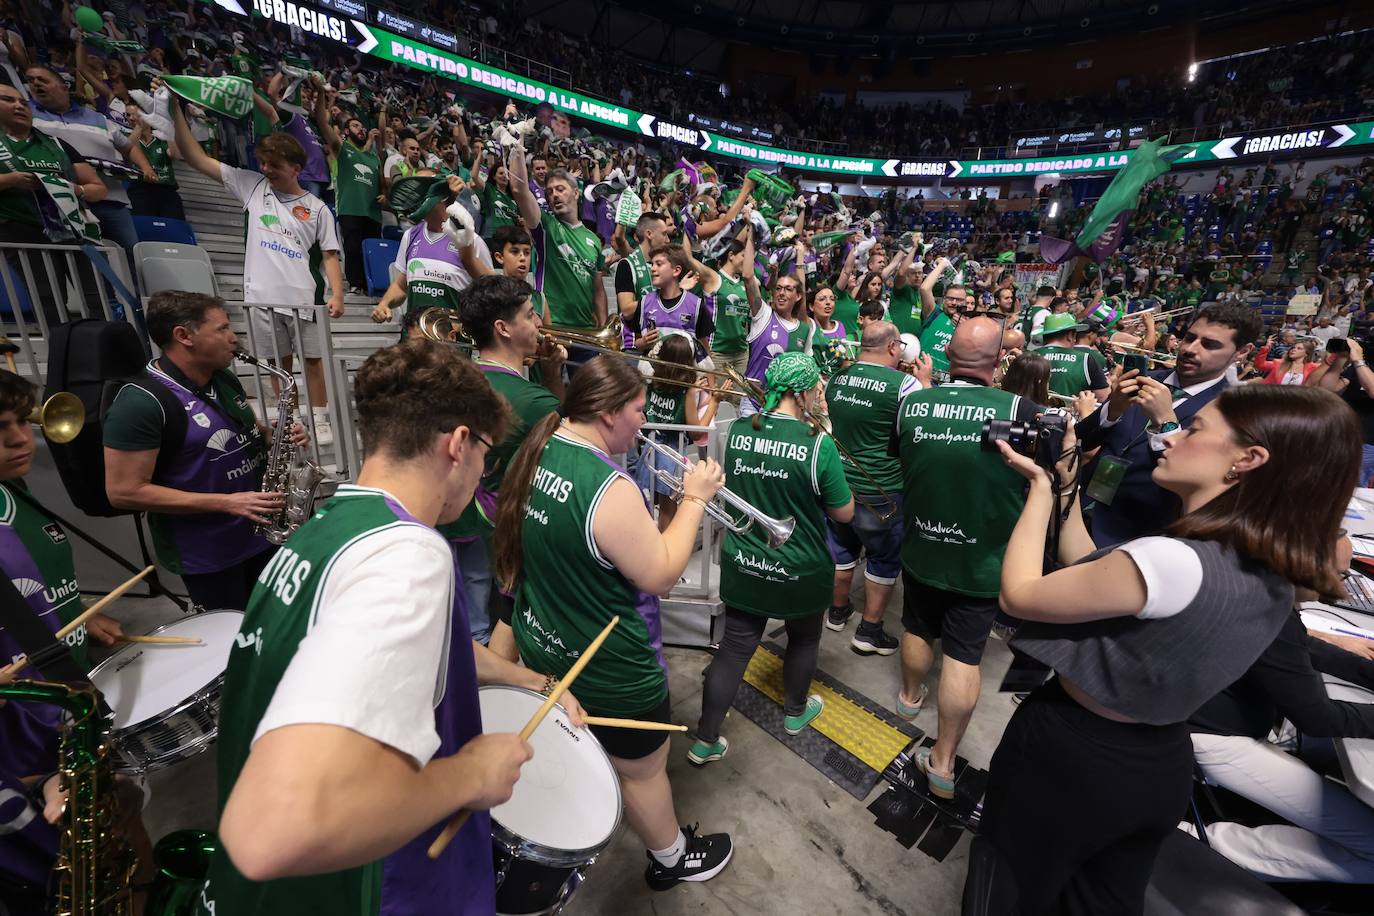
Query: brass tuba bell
[{"x": 61, "y": 416}]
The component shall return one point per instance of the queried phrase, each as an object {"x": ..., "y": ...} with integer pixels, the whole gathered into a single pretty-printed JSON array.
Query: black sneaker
[
  {"x": 706, "y": 857},
  {"x": 837, "y": 618},
  {"x": 872, "y": 639}
]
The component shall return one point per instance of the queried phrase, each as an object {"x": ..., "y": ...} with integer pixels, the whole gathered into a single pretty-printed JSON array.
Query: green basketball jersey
[
  {"x": 569, "y": 591},
  {"x": 799, "y": 338},
  {"x": 39, "y": 154},
  {"x": 569, "y": 259},
  {"x": 847, "y": 313},
  {"x": 1068, "y": 369},
  {"x": 666, "y": 405},
  {"x": 530, "y": 402},
  {"x": 51, "y": 552},
  {"x": 731, "y": 316},
  {"x": 863, "y": 401},
  {"x": 959, "y": 502},
  {"x": 498, "y": 208},
  {"x": 359, "y": 182},
  {"x": 783, "y": 470},
  {"x": 936, "y": 333},
  {"x": 156, "y": 152},
  {"x": 280, "y": 613}
]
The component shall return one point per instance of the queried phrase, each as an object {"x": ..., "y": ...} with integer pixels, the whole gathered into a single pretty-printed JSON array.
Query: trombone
[
  {"x": 776, "y": 531},
  {"x": 443, "y": 325},
  {"x": 756, "y": 392},
  {"x": 61, "y": 417},
  {"x": 1148, "y": 355},
  {"x": 607, "y": 339}
]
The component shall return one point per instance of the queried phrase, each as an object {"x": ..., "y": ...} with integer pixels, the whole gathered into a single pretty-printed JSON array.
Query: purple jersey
[
  {"x": 835, "y": 333},
  {"x": 463, "y": 881},
  {"x": 681, "y": 317},
  {"x": 28, "y": 844},
  {"x": 316, "y": 166},
  {"x": 768, "y": 343}
]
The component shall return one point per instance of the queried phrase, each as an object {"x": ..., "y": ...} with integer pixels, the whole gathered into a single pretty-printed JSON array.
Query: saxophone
[
  {"x": 95, "y": 864},
  {"x": 288, "y": 471}
]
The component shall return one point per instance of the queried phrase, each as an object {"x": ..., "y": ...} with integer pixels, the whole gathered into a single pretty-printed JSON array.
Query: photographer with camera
[
  {"x": 959, "y": 505},
  {"x": 1142, "y": 410},
  {"x": 1344, "y": 371}
]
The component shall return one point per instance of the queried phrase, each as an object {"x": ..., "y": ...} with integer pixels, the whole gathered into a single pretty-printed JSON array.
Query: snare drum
[
  {"x": 166, "y": 698},
  {"x": 564, "y": 811}
]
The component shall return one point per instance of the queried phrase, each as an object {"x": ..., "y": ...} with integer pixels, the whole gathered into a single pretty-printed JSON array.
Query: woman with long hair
[
  {"x": 1141, "y": 635},
  {"x": 677, "y": 396},
  {"x": 782, "y": 327},
  {"x": 780, "y": 463},
  {"x": 1293, "y": 367},
  {"x": 1029, "y": 376},
  {"x": 576, "y": 543},
  {"x": 492, "y": 182}
]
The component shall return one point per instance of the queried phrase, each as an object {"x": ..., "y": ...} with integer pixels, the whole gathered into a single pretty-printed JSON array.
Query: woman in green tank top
[
  {"x": 576, "y": 544},
  {"x": 783, "y": 466}
]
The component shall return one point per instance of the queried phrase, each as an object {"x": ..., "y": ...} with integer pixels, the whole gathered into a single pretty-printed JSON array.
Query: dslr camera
[{"x": 1042, "y": 439}]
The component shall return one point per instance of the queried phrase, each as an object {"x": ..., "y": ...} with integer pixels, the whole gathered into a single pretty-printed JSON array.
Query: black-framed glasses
[{"x": 483, "y": 439}]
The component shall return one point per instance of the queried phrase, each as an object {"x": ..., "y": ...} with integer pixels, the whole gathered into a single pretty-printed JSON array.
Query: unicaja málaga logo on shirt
[{"x": 290, "y": 253}]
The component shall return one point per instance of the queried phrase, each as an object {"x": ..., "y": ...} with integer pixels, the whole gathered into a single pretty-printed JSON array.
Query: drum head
[
  {"x": 142, "y": 681},
  {"x": 568, "y": 796}
]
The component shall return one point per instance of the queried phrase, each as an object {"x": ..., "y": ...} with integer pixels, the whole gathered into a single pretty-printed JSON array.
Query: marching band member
[
  {"x": 576, "y": 539},
  {"x": 498, "y": 315},
  {"x": 184, "y": 446},
  {"x": 779, "y": 463},
  {"x": 328, "y": 731},
  {"x": 862, "y": 402}
]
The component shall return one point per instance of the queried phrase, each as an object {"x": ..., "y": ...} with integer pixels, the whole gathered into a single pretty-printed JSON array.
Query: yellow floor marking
[{"x": 843, "y": 721}]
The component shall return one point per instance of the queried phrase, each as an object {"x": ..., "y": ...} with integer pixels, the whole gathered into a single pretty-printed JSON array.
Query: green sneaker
[
  {"x": 794, "y": 724},
  {"x": 702, "y": 753}
]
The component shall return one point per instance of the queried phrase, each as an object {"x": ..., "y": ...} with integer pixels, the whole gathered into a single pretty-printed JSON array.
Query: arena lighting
[
  {"x": 1054, "y": 210},
  {"x": 1192, "y": 72}
]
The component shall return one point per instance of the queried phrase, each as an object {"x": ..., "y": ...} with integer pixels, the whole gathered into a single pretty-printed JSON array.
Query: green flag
[
  {"x": 230, "y": 96},
  {"x": 1122, "y": 194}
]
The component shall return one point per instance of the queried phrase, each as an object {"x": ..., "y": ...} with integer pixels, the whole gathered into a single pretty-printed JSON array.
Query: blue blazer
[{"x": 1141, "y": 507}]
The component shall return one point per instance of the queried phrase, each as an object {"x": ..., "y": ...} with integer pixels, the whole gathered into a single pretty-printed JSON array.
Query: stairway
[{"x": 218, "y": 221}]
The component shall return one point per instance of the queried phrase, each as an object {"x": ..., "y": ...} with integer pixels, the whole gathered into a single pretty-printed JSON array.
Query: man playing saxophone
[{"x": 183, "y": 445}]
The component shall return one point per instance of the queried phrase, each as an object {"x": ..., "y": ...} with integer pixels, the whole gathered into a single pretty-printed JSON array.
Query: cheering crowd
[{"x": 1148, "y": 543}]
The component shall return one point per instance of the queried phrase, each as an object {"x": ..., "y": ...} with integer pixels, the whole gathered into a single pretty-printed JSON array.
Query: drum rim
[
  {"x": 182, "y": 704},
  {"x": 552, "y": 856}
]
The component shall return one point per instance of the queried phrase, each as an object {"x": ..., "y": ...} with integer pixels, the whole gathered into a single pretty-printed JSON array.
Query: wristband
[
  {"x": 695, "y": 499},
  {"x": 550, "y": 682},
  {"x": 1358, "y": 364}
]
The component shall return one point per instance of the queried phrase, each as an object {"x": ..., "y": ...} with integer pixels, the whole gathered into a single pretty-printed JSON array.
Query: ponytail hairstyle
[
  {"x": 604, "y": 385},
  {"x": 680, "y": 350},
  {"x": 1286, "y": 513}
]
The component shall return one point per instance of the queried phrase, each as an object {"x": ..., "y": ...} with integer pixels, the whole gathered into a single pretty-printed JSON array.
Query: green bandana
[
  {"x": 787, "y": 373},
  {"x": 231, "y": 96}
]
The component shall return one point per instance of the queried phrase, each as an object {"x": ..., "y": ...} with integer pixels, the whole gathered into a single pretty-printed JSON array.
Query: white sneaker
[{"x": 324, "y": 433}]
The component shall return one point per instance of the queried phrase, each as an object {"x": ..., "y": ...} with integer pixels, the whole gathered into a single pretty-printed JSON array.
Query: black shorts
[
  {"x": 961, "y": 622},
  {"x": 635, "y": 743}
]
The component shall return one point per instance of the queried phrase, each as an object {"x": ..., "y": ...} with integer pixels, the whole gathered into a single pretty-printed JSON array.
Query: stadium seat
[
  {"x": 164, "y": 229},
  {"x": 378, "y": 255},
  {"x": 393, "y": 233},
  {"x": 162, "y": 265},
  {"x": 20, "y": 290}
]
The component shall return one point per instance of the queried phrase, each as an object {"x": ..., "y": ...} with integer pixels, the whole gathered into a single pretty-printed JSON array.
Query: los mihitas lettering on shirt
[
  {"x": 862, "y": 402},
  {"x": 286, "y": 239},
  {"x": 783, "y": 469},
  {"x": 959, "y": 502}
]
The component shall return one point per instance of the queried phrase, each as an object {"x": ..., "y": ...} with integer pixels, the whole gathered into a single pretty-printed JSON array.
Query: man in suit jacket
[{"x": 1142, "y": 409}]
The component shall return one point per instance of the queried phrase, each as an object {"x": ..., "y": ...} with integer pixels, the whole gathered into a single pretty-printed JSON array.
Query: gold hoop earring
[{"x": 1231, "y": 475}]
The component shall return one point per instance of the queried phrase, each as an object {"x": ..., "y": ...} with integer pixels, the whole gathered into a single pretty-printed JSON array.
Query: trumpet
[
  {"x": 443, "y": 325},
  {"x": 1148, "y": 355},
  {"x": 61, "y": 417},
  {"x": 755, "y": 391},
  {"x": 776, "y": 531},
  {"x": 607, "y": 339},
  {"x": 1167, "y": 313}
]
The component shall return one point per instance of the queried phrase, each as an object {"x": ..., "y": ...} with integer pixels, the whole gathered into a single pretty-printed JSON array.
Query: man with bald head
[
  {"x": 863, "y": 400},
  {"x": 959, "y": 505}
]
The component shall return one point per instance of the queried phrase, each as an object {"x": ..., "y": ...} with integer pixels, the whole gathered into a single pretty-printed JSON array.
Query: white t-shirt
[
  {"x": 1171, "y": 571},
  {"x": 282, "y": 233},
  {"x": 375, "y": 658}
]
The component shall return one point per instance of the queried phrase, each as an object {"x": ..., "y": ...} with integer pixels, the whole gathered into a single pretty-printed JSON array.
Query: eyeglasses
[{"x": 482, "y": 439}]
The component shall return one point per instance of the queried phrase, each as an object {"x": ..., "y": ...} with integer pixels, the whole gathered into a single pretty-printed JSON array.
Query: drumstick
[
  {"x": 608, "y": 722},
  {"x": 164, "y": 640},
  {"x": 456, "y": 823},
  {"x": 87, "y": 614}
]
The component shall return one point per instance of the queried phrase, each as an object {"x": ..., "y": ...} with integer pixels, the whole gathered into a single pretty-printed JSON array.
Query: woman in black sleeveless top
[{"x": 1095, "y": 767}]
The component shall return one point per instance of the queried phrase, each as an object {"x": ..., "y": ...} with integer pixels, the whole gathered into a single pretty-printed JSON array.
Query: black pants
[
  {"x": 354, "y": 229},
  {"x": 227, "y": 589},
  {"x": 1078, "y": 805},
  {"x": 155, "y": 200},
  {"x": 742, "y": 634}
]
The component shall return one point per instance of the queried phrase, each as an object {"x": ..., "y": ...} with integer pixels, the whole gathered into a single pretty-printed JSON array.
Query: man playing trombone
[{"x": 862, "y": 401}]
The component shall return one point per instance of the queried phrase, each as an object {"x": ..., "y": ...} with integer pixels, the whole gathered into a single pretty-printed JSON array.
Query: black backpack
[{"x": 93, "y": 359}]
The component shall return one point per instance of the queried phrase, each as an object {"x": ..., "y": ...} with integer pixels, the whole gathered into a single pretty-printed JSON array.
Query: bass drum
[
  {"x": 564, "y": 811},
  {"x": 165, "y": 698}
]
